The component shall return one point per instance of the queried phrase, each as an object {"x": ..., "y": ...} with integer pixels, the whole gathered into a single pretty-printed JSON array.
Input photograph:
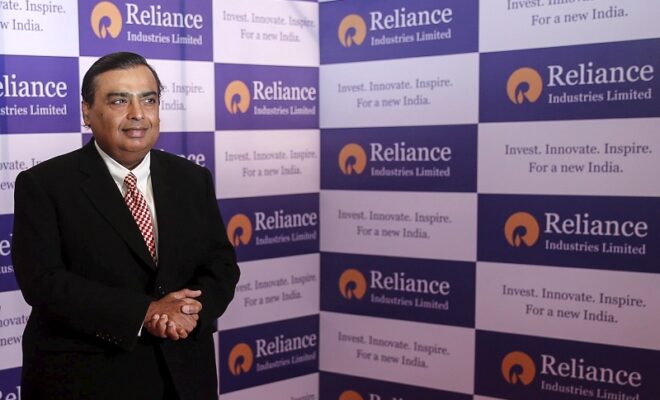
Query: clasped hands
[{"x": 174, "y": 316}]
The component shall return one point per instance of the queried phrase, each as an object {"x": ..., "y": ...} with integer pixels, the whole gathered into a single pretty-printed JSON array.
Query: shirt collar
[{"x": 118, "y": 172}]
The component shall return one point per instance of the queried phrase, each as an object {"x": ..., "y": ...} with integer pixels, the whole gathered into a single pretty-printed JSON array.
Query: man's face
[{"x": 124, "y": 117}]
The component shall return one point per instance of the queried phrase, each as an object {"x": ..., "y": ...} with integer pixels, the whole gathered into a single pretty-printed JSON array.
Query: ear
[{"x": 85, "y": 112}]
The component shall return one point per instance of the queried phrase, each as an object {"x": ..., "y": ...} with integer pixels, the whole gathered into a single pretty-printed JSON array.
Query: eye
[
  {"x": 118, "y": 101},
  {"x": 150, "y": 100}
]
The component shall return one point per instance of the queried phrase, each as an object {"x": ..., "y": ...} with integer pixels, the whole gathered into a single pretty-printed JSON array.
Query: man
[{"x": 122, "y": 254}]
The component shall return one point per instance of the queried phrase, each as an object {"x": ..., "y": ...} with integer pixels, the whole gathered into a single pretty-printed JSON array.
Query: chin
[
  {"x": 136, "y": 149},
  {"x": 140, "y": 142}
]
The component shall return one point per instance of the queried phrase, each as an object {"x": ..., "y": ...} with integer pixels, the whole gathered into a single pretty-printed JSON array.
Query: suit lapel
[
  {"x": 102, "y": 191},
  {"x": 165, "y": 212}
]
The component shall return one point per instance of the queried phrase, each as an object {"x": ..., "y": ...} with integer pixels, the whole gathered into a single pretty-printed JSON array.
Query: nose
[{"x": 135, "y": 111}]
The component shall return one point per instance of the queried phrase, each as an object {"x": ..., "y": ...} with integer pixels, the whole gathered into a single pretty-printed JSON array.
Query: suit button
[{"x": 160, "y": 290}]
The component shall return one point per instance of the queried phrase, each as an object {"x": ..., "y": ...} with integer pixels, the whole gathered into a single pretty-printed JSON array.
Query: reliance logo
[
  {"x": 524, "y": 84},
  {"x": 577, "y": 233},
  {"x": 575, "y": 224},
  {"x": 525, "y": 222},
  {"x": 289, "y": 353},
  {"x": 106, "y": 19},
  {"x": 352, "y": 284},
  {"x": 580, "y": 370},
  {"x": 561, "y": 375},
  {"x": 518, "y": 367},
  {"x": 12, "y": 86},
  {"x": 352, "y": 30},
  {"x": 240, "y": 359},
  {"x": 350, "y": 395},
  {"x": 352, "y": 159},
  {"x": 237, "y": 97},
  {"x": 239, "y": 230}
]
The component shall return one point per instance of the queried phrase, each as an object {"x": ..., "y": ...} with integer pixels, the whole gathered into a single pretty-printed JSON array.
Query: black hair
[{"x": 109, "y": 62}]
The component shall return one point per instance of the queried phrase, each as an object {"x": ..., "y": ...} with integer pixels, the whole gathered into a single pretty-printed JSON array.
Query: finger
[
  {"x": 151, "y": 319},
  {"x": 171, "y": 331},
  {"x": 191, "y": 302},
  {"x": 191, "y": 293},
  {"x": 159, "y": 323},
  {"x": 193, "y": 308},
  {"x": 187, "y": 322},
  {"x": 160, "y": 331},
  {"x": 183, "y": 293},
  {"x": 162, "y": 326}
]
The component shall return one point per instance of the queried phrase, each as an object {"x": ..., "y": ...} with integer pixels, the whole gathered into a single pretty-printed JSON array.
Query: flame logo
[
  {"x": 518, "y": 367},
  {"x": 106, "y": 20},
  {"x": 352, "y": 284},
  {"x": 352, "y": 30},
  {"x": 350, "y": 395},
  {"x": 239, "y": 230},
  {"x": 237, "y": 97},
  {"x": 528, "y": 223},
  {"x": 352, "y": 159},
  {"x": 524, "y": 83},
  {"x": 240, "y": 359}
]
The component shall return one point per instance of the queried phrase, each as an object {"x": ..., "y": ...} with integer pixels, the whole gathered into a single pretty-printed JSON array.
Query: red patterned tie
[{"x": 140, "y": 210}]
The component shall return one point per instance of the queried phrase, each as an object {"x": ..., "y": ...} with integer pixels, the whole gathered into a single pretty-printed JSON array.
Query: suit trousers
[{"x": 74, "y": 375}]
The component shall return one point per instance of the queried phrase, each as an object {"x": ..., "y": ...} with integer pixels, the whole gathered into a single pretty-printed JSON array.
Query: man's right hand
[{"x": 175, "y": 315}]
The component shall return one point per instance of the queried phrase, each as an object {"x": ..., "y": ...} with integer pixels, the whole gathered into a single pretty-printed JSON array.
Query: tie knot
[{"x": 130, "y": 181}]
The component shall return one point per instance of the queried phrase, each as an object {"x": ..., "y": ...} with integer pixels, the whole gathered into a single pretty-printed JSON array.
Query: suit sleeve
[
  {"x": 69, "y": 305},
  {"x": 218, "y": 274}
]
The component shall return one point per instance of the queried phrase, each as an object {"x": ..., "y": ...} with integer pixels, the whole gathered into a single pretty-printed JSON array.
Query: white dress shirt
[{"x": 143, "y": 174}]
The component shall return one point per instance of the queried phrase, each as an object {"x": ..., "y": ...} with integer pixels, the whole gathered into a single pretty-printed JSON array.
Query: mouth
[{"x": 136, "y": 132}]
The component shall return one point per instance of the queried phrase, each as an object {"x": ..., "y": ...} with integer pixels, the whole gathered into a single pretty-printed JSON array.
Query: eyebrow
[{"x": 127, "y": 94}]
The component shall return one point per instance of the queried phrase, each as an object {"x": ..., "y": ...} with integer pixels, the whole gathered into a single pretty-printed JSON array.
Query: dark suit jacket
[{"x": 82, "y": 265}]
